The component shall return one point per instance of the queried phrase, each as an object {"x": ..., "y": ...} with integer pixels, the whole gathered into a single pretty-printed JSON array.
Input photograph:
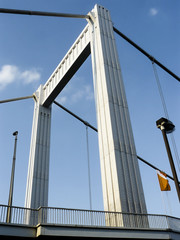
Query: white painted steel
[
  {"x": 122, "y": 186},
  {"x": 38, "y": 170},
  {"x": 121, "y": 181},
  {"x": 74, "y": 58}
]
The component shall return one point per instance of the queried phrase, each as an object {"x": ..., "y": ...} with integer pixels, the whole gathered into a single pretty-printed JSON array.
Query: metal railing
[
  {"x": 78, "y": 217},
  {"x": 18, "y": 215}
]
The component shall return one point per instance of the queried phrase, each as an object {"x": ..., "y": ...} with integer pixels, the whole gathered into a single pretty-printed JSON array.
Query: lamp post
[
  {"x": 8, "y": 218},
  {"x": 166, "y": 127}
]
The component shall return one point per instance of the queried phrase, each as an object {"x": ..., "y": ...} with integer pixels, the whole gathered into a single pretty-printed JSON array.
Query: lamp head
[
  {"x": 166, "y": 124},
  {"x": 15, "y": 133}
]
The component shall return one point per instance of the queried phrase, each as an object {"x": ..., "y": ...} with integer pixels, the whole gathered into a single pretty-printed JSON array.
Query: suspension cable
[
  {"x": 87, "y": 145},
  {"x": 141, "y": 159},
  {"x": 166, "y": 114},
  {"x": 16, "y": 99},
  {"x": 39, "y": 13},
  {"x": 154, "y": 167},
  {"x": 77, "y": 117},
  {"x": 146, "y": 54},
  {"x": 89, "y": 172},
  {"x": 68, "y": 15}
]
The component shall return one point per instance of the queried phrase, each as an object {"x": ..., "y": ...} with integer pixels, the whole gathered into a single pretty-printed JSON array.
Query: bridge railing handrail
[
  {"x": 84, "y": 217},
  {"x": 100, "y": 211},
  {"x": 33, "y": 209}
]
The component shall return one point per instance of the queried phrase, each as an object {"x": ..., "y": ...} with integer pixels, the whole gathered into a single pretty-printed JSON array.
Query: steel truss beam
[{"x": 74, "y": 58}]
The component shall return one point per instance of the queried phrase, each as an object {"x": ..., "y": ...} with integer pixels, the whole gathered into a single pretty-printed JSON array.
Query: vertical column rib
[
  {"x": 38, "y": 170},
  {"x": 122, "y": 187}
]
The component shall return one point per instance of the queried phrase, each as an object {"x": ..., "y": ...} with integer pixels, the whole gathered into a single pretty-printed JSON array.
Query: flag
[{"x": 163, "y": 182}]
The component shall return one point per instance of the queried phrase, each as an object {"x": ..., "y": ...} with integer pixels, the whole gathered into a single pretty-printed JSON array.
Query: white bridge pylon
[{"x": 121, "y": 181}]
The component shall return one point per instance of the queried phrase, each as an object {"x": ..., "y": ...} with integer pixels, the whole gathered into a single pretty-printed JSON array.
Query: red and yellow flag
[{"x": 163, "y": 181}]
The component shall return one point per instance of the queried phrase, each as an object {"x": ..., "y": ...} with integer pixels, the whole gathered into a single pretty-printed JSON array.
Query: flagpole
[{"x": 167, "y": 126}]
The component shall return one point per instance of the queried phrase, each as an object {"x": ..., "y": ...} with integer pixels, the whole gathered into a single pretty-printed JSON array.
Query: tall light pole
[
  {"x": 8, "y": 218},
  {"x": 166, "y": 127}
]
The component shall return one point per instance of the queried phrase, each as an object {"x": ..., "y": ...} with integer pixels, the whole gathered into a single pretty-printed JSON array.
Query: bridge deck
[{"x": 44, "y": 231}]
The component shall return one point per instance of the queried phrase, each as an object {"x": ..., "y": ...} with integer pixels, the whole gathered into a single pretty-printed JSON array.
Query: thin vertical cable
[
  {"x": 160, "y": 91},
  {"x": 175, "y": 150},
  {"x": 166, "y": 113},
  {"x": 89, "y": 173}
]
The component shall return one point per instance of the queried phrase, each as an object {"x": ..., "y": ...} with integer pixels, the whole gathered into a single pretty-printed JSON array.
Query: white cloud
[
  {"x": 11, "y": 73},
  {"x": 30, "y": 76},
  {"x": 89, "y": 92},
  {"x": 8, "y": 74},
  {"x": 84, "y": 93},
  {"x": 78, "y": 95},
  {"x": 153, "y": 11},
  {"x": 76, "y": 91},
  {"x": 62, "y": 99}
]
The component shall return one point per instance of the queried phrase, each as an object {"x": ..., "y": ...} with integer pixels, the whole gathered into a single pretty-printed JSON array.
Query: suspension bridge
[{"x": 125, "y": 212}]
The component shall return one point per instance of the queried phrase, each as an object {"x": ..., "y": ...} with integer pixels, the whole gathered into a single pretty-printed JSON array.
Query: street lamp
[
  {"x": 166, "y": 127},
  {"x": 8, "y": 218}
]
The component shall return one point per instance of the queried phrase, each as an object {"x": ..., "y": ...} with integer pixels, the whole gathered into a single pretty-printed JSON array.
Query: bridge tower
[{"x": 121, "y": 181}]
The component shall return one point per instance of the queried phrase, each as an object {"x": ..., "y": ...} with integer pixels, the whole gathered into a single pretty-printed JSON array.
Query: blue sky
[{"x": 30, "y": 49}]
